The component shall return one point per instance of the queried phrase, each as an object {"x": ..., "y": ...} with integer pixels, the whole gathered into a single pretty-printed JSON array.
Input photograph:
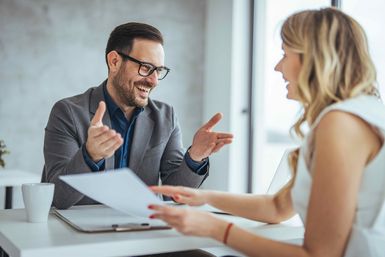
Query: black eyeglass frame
[{"x": 152, "y": 69}]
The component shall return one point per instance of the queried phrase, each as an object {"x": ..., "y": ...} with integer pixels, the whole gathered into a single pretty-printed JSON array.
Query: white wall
[{"x": 226, "y": 78}]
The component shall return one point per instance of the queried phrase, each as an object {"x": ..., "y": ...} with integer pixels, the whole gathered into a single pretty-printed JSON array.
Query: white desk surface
[
  {"x": 17, "y": 177},
  {"x": 55, "y": 238}
]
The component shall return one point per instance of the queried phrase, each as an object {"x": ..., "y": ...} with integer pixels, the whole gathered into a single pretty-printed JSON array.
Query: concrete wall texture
[{"x": 51, "y": 49}]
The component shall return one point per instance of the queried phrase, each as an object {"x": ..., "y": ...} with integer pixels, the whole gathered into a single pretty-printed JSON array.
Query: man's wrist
[
  {"x": 197, "y": 167},
  {"x": 94, "y": 166},
  {"x": 194, "y": 157},
  {"x": 89, "y": 154}
]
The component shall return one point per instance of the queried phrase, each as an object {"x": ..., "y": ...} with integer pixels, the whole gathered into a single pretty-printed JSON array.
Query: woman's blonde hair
[{"x": 335, "y": 61}]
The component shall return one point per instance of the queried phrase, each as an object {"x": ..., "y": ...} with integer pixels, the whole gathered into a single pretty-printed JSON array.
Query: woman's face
[{"x": 290, "y": 66}]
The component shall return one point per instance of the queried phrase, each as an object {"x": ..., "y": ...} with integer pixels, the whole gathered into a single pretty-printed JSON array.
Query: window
[
  {"x": 273, "y": 113},
  {"x": 371, "y": 19}
]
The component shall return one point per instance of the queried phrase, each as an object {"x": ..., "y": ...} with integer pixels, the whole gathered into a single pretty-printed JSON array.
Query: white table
[
  {"x": 11, "y": 178},
  {"x": 55, "y": 238}
]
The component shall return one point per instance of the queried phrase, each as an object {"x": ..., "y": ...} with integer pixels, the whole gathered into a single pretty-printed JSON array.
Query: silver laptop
[{"x": 281, "y": 175}]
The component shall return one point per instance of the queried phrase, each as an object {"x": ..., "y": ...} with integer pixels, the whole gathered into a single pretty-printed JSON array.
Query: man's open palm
[{"x": 206, "y": 141}]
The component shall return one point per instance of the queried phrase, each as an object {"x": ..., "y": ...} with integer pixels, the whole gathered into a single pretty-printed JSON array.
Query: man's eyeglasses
[{"x": 146, "y": 69}]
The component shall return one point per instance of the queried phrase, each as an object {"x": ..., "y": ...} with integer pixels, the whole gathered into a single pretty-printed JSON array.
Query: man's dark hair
[{"x": 122, "y": 37}]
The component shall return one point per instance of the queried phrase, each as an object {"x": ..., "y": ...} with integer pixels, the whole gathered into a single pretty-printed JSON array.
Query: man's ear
[{"x": 114, "y": 61}]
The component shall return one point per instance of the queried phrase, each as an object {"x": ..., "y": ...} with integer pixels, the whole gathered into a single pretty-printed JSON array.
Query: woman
[{"x": 338, "y": 187}]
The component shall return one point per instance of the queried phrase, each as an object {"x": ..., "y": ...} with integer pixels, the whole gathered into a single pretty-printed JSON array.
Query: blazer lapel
[
  {"x": 143, "y": 130},
  {"x": 96, "y": 97}
]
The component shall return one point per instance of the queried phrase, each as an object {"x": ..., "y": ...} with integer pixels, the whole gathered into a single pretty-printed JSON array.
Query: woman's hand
[
  {"x": 186, "y": 195},
  {"x": 190, "y": 222}
]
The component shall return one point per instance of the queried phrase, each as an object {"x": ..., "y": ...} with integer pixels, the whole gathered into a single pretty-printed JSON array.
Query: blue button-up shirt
[
  {"x": 122, "y": 126},
  {"x": 126, "y": 128}
]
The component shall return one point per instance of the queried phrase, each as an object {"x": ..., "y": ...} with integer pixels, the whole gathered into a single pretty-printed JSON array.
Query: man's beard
[{"x": 126, "y": 94}]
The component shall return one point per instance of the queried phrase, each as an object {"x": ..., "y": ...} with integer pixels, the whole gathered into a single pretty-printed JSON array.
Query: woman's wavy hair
[{"x": 335, "y": 62}]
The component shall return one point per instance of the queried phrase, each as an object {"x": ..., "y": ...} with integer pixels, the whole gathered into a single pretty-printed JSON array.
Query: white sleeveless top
[{"x": 367, "y": 238}]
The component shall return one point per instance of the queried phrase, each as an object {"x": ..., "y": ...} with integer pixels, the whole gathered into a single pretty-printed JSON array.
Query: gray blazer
[{"x": 156, "y": 153}]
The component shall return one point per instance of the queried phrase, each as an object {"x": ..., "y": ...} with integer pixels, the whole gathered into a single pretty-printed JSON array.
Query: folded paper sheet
[{"x": 119, "y": 189}]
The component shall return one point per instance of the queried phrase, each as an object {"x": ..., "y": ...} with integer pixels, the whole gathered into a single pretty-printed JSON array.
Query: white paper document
[{"x": 119, "y": 189}]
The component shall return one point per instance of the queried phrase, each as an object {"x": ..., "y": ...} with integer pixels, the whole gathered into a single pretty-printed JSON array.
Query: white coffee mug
[{"x": 37, "y": 199}]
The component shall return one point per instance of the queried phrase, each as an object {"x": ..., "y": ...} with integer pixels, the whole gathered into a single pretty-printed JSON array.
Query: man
[{"x": 117, "y": 125}]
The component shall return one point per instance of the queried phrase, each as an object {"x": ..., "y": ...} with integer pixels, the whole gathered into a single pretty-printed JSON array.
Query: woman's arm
[
  {"x": 264, "y": 208},
  {"x": 344, "y": 144}
]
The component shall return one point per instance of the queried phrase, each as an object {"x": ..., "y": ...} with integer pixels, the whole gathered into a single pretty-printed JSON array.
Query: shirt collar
[{"x": 112, "y": 107}]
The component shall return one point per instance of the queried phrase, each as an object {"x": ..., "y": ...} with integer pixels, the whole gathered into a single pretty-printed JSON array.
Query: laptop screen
[{"x": 281, "y": 175}]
